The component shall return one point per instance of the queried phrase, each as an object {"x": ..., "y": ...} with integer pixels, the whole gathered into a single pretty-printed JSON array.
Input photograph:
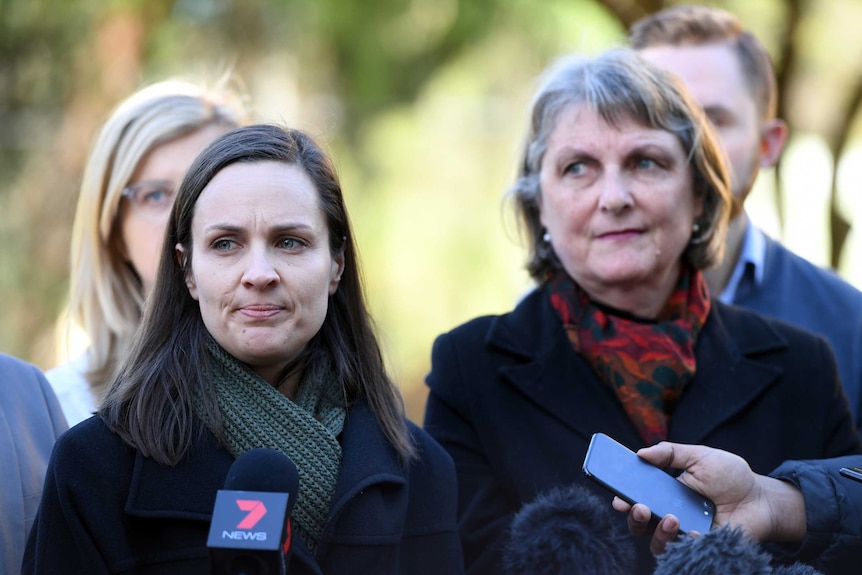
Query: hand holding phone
[{"x": 619, "y": 470}]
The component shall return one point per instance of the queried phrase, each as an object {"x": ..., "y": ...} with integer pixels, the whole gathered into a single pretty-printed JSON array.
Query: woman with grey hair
[{"x": 624, "y": 200}]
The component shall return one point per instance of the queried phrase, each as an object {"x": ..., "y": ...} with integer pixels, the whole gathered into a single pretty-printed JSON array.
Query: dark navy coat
[
  {"x": 833, "y": 513},
  {"x": 798, "y": 292},
  {"x": 515, "y": 406},
  {"x": 107, "y": 509}
]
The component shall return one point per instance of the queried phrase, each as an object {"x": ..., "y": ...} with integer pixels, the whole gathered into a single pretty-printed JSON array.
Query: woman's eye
[
  {"x": 576, "y": 168},
  {"x": 289, "y": 243},
  {"x": 646, "y": 164},
  {"x": 157, "y": 196},
  {"x": 223, "y": 245}
]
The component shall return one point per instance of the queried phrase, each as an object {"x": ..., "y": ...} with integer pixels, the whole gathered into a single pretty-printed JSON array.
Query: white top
[{"x": 73, "y": 390}]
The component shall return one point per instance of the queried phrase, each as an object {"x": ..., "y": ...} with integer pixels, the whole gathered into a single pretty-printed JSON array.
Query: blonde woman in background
[{"x": 137, "y": 162}]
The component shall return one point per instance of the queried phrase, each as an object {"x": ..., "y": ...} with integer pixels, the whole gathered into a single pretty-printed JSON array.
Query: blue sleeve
[{"x": 833, "y": 507}]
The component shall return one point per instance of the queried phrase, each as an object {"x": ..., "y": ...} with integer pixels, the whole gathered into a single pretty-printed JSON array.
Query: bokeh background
[{"x": 421, "y": 102}]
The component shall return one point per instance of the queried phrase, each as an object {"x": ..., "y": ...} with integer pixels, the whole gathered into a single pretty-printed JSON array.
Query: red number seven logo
[{"x": 255, "y": 509}]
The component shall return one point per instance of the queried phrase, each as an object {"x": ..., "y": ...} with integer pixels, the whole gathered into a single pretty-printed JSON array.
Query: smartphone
[
  {"x": 852, "y": 473},
  {"x": 619, "y": 470}
]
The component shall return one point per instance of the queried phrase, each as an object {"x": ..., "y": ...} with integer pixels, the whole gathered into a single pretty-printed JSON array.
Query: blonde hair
[{"x": 106, "y": 296}]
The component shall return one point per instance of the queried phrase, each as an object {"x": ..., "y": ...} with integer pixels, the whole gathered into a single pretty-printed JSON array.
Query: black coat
[
  {"x": 107, "y": 509},
  {"x": 515, "y": 406}
]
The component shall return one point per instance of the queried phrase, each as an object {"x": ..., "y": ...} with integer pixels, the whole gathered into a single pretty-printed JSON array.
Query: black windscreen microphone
[
  {"x": 250, "y": 532},
  {"x": 719, "y": 552},
  {"x": 568, "y": 530}
]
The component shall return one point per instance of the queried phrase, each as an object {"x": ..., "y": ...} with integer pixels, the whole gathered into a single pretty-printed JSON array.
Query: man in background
[
  {"x": 30, "y": 422},
  {"x": 729, "y": 72}
]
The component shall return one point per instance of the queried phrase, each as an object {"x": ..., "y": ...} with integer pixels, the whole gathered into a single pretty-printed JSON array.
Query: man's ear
[
  {"x": 182, "y": 260},
  {"x": 773, "y": 136}
]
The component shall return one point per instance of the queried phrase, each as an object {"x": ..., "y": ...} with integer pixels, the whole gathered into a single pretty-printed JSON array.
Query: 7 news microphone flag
[{"x": 250, "y": 533}]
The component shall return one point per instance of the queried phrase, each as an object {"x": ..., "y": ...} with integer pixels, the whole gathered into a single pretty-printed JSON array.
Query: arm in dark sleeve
[
  {"x": 833, "y": 507},
  {"x": 431, "y": 544},
  {"x": 843, "y": 438},
  {"x": 856, "y": 383},
  {"x": 484, "y": 511},
  {"x": 60, "y": 541}
]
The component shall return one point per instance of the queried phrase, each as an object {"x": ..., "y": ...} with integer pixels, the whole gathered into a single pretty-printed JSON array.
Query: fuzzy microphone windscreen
[
  {"x": 796, "y": 569},
  {"x": 568, "y": 530},
  {"x": 723, "y": 551}
]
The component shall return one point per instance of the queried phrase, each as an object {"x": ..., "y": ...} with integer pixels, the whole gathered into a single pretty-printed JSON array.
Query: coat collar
[
  {"x": 188, "y": 489},
  {"x": 552, "y": 375}
]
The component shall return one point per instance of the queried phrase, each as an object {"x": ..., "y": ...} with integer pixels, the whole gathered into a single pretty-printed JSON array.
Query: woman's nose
[
  {"x": 260, "y": 271},
  {"x": 615, "y": 194}
]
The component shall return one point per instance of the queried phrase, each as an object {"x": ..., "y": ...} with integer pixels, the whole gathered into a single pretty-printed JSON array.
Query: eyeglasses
[{"x": 151, "y": 199}]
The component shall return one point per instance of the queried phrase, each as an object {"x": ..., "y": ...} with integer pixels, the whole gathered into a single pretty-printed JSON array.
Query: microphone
[
  {"x": 250, "y": 532},
  {"x": 719, "y": 552},
  {"x": 568, "y": 530}
]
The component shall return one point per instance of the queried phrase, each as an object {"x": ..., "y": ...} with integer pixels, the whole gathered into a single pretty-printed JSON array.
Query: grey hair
[{"x": 620, "y": 85}]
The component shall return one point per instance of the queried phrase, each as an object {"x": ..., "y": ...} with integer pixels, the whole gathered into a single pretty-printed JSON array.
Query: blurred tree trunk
[
  {"x": 630, "y": 11},
  {"x": 64, "y": 68},
  {"x": 785, "y": 62},
  {"x": 838, "y": 143}
]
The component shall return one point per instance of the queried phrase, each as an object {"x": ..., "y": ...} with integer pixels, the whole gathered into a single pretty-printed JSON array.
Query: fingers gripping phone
[{"x": 619, "y": 470}]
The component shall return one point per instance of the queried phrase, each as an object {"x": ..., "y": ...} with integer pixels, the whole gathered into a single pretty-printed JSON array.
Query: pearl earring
[
  {"x": 695, "y": 228},
  {"x": 546, "y": 238}
]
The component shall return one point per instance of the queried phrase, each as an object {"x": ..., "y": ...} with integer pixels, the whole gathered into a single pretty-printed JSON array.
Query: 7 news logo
[
  {"x": 256, "y": 510},
  {"x": 248, "y": 520}
]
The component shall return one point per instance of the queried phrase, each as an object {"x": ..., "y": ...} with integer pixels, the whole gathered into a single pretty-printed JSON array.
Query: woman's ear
[
  {"x": 337, "y": 270},
  {"x": 699, "y": 201},
  {"x": 182, "y": 260}
]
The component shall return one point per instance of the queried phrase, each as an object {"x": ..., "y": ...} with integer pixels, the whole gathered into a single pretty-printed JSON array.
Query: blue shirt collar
[{"x": 749, "y": 266}]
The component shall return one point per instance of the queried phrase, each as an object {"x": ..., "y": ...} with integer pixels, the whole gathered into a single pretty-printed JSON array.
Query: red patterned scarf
[{"x": 646, "y": 362}]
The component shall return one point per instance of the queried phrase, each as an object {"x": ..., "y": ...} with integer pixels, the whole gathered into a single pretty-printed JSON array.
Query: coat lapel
[
  {"x": 186, "y": 490},
  {"x": 367, "y": 460},
  {"x": 368, "y": 457},
  {"x": 551, "y": 375},
  {"x": 729, "y": 377}
]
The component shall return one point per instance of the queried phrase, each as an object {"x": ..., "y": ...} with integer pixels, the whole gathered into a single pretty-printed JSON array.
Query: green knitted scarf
[{"x": 254, "y": 414}]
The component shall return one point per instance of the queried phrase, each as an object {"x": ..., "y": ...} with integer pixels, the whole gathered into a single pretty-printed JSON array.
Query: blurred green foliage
[{"x": 421, "y": 102}]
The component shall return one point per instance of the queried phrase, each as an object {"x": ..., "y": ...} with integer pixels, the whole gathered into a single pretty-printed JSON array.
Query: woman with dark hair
[
  {"x": 624, "y": 201},
  {"x": 256, "y": 335}
]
